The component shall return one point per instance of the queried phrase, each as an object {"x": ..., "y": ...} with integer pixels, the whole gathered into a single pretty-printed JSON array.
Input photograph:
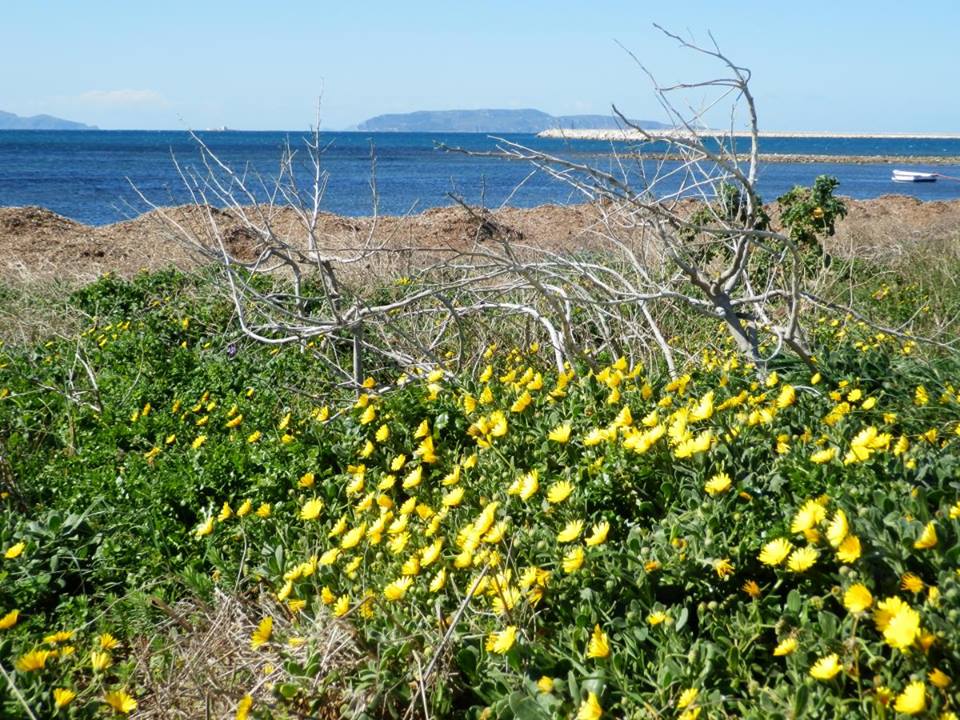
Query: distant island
[
  {"x": 491, "y": 121},
  {"x": 9, "y": 121}
]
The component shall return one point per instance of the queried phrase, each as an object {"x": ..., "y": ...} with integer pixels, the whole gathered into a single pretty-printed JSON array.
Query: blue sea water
[{"x": 87, "y": 176}]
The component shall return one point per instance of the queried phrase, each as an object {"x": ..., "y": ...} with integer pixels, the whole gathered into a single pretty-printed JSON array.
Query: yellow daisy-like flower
[
  {"x": 826, "y": 667},
  {"x": 599, "y": 645},
  {"x": 205, "y": 528},
  {"x": 261, "y": 636},
  {"x": 911, "y": 583},
  {"x": 120, "y": 701},
  {"x": 802, "y": 559},
  {"x": 849, "y": 550},
  {"x": 598, "y": 534},
  {"x": 529, "y": 485},
  {"x": 823, "y": 456},
  {"x": 785, "y": 647},
  {"x": 810, "y": 515},
  {"x": 913, "y": 700},
  {"x": 63, "y": 696},
  {"x": 928, "y": 538},
  {"x": 226, "y": 512},
  {"x": 100, "y": 661},
  {"x": 718, "y": 484},
  {"x": 751, "y": 588},
  {"x": 573, "y": 560},
  {"x": 590, "y": 708},
  {"x": 570, "y": 532},
  {"x": 453, "y": 498},
  {"x": 857, "y": 598},
  {"x": 903, "y": 628},
  {"x": 775, "y": 552},
  {"x": 243, "y": 707},
  {"x": 439, "y": 580},
  {"x": 837, "y": 529},
  {"x": 263, "y": 511},
  {"x": 198, "y": 442},
  {"x": 311, "y": 509},
  {"x": 939, "y": 678},
  {"x": 254, "y": 436},
  {"x": 9, "y": 620},
  {"x": 33, "y": 660},
  {"x": 306, "y": 480},
  {"x": 245, "y": 508},
  {"x": 657, "y": 617},
  {"x": 687, "y": 697},
  {"x": 559, "y": 492},
  {"x": 397, "y": 589},
  {"x": 501, "y": 642},
  {"x": 561, "y": 433},
  {"x": 14, "y": 551},
  {"x": 383, "y": 433},
  {"x": 545, "y": 684}
]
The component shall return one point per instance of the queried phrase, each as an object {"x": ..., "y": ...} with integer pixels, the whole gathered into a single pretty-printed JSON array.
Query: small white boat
[{"x": 905, "y": 176}]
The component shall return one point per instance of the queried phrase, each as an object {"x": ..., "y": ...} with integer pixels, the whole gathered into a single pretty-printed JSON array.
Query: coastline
[
  {"x": 631, "y": 135},
  {"x": 37, "y": 245}
]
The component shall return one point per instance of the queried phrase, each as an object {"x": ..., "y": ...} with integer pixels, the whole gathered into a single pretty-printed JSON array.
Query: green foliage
[
  {"x": 809, "y": 213},
  {"x": 190, "y": 466}
]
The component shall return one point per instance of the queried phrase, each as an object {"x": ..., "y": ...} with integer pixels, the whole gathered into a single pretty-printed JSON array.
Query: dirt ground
[{"x": 37, "y": 245}]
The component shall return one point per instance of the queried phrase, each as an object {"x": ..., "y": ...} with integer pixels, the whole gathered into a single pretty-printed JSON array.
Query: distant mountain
[
  {"x": 490, "y": 121},
  {"x": 9, "y": 121}
]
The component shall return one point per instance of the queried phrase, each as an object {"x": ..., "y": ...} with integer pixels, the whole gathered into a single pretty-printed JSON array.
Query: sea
[{"x": 98, "y": 177}]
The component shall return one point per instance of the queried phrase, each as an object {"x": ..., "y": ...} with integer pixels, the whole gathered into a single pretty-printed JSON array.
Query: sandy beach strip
[{"x": 631, "y": 135}]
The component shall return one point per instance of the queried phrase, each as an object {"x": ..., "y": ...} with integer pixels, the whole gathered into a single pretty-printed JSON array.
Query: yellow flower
[
  {"x": 120, "y": 701},
  {"x": 234, "y": 422},
  {"x": 14, "y": 551},
  {"x": 939, "y": 678},
  {"x": 903, "y": 627},
  {"x": 529, "y": 484},
  {"x": 9, "y": 620},
  {"x": 226, "y": 512},
  {"x": 826, "y": 667},
  {"x": 590, "y": 708},
  {"x": 341, "y": 606},
  {"x": 254, "y": 436},
  {"x": 559, "y": 492},
  {"x": 439, "y": 580},
  {"x": 570, "y": 532},
  {"x": 263, "y": 511},
  {"x": 573, "y": 560},
  {"x": 62, "y": 697},
  {"x": 687, "y": 697},
  {"x": 857, "y": 598},
  {"x": 501, "y": 642},
  {"x": 775, "y": 551},
  {"x": 928, "y": 538},
  {"x": 719, "y": 483},
  {"x": 811, "y": 514},
  {"x": 561, "y": 433},
  {"x": 368, "y": 415},
  {"x": 913, "y": 700},
  {"x": 243, "y": 707},
  {"x": 802, "y": 559},
  {"x": 397, "y": 589},
  {"x": 824, "y": 456},
  {"x": 849, "y": 550},
  {"x": 723, "y": 567},
  {"x": 657, "y": 617},
  {"x": 599, "y": 646},
  {"x": 521, "y": 403},
  {"x": 453, "y": 498},
  {"x": 100, "y": 661},
  {"x": 911, "y": 583},
  {"x": 785, "y": 647},
  {"x": 59, "y": 637},
  {"x": 306, "y": 480},
  {"x": 751, "y": 588},
  {"x": 545, "y": 684},
  {"x": 837, "y": 529},
  {"x": 311, "y": 509},
  {"x": 199, "y": 441},
  {"x": 33, "y": 660},
  {"x": 261, "y": 636},
  {"x": 598, "y": 536},
  {"x": 205, "y": 529}
]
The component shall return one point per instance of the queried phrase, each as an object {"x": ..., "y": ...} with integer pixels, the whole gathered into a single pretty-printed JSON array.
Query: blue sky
[{"x": 855, "y": 66}]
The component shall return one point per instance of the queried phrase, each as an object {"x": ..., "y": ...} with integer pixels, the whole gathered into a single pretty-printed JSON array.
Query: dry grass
[{"x": 200, "y": 663}]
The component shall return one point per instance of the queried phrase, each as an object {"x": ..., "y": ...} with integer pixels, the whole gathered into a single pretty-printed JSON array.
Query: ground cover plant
[{"x": 512, "y": 541}]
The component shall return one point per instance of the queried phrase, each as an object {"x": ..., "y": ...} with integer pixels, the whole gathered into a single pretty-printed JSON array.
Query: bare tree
[{"x": 680, "y": 229}]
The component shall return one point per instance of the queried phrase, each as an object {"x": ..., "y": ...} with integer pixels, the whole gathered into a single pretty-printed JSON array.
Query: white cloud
[{"x": 123, "y": 98}]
